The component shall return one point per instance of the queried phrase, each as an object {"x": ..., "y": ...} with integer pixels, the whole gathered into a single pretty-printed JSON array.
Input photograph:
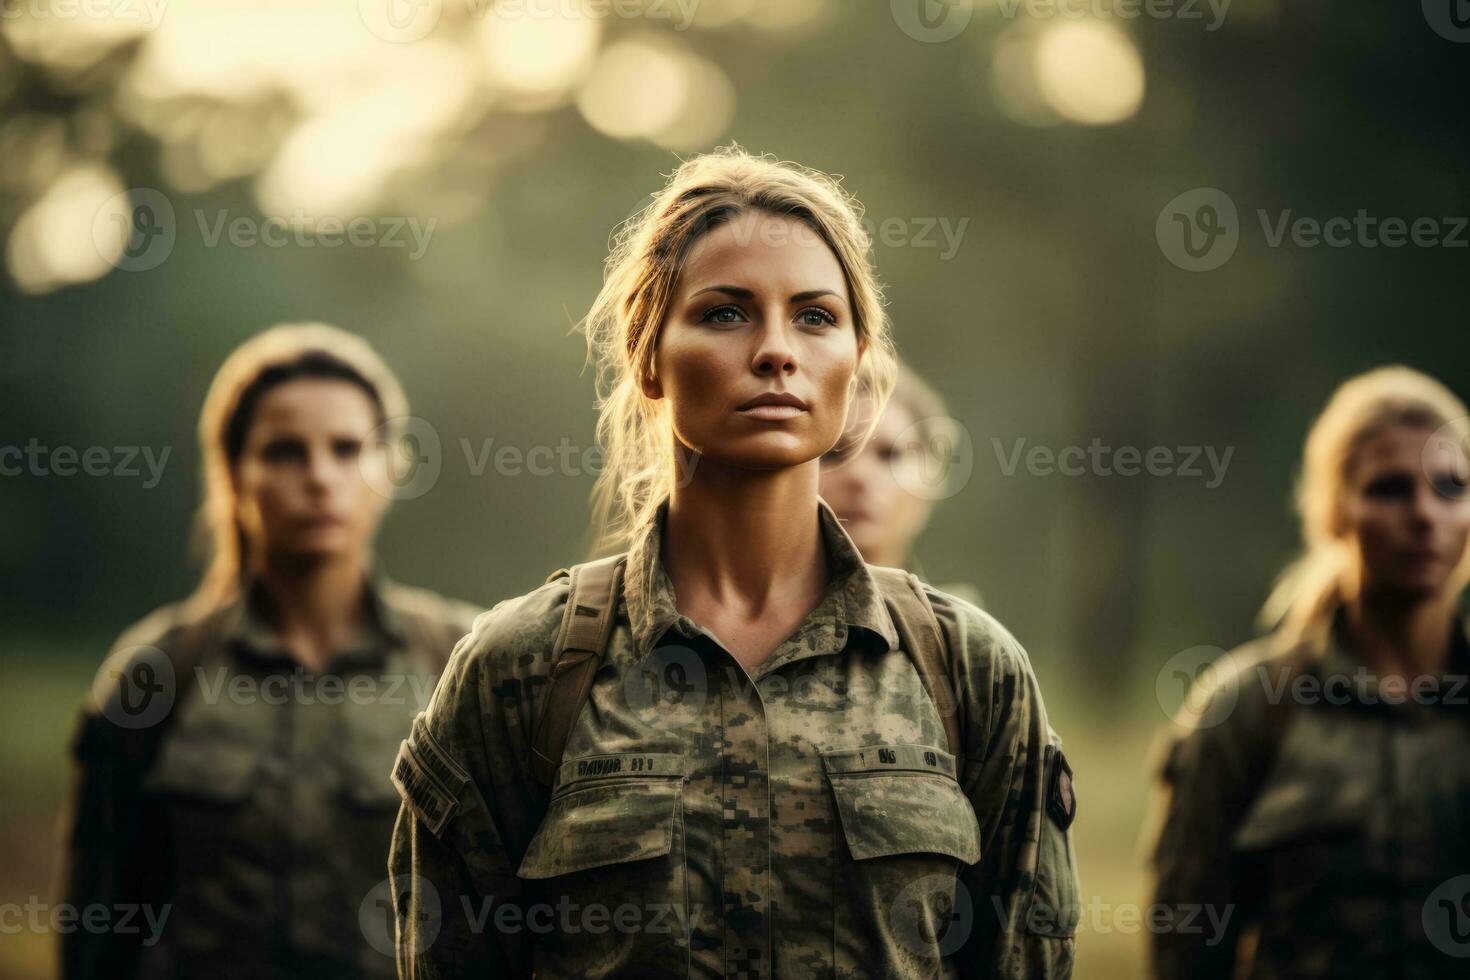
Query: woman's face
[
  {"x": 298, "y": 484},
  {"x": 866, "y": 485},
  {"x": 759, "y": 349},
  {"x": 1405, "y": 511}
]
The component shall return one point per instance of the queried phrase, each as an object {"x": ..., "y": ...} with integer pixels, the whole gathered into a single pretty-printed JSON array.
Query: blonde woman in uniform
[
  {"x": 753, "y": 781},
  {"x": 1315, "y": 792},
  {"x": 880, "y": 479},
  {"x": 231, "y": 770}
]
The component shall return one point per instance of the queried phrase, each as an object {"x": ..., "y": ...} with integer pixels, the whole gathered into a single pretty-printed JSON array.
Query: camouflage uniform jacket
[
  {"x": 803, "y": 820},
  {"x": 1315, "y": 824},
  {"x": 241, "y": 801}
]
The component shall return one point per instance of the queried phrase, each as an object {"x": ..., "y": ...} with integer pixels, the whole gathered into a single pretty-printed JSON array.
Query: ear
[{"x": 651, "y": 386}]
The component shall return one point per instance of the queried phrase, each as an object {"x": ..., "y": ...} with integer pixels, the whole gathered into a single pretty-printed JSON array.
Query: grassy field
[{"x": 41, "y": 694}]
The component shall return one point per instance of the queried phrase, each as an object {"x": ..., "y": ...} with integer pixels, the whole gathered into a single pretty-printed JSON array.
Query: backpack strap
[
  {"x": 922, "y": 639},
  {"x": 578, "y": 650}
]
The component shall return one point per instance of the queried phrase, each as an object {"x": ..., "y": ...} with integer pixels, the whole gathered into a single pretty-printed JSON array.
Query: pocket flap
[
  {"x": 608, "y": 809},
  {"x": 902, "y": 799},
  {"x": 213, "y": 770},
  {"x": 1291, "y": 809}
]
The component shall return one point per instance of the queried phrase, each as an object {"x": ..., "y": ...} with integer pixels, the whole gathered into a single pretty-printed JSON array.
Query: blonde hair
[
  {"x": 641, "y": 271},
  {"x": 275, "y": 356},
  {"x": 1309, "y": 592}
]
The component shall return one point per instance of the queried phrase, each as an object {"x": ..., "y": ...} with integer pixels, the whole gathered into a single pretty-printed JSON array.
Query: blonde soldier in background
[
  {"x": 882, "y": 485},
  {"x": 1315, "y": 793},
  {"x": 836, "y": 771},
  {"x": 232, "y": 766}
]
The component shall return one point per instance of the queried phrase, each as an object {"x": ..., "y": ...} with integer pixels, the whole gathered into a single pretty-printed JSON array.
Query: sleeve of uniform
[
  {"x": 470, "y": 805},
  {"x": 1024, "y": 892},
  {"x": 109, "y": 845},
  {"x": 1203, "y": 790}
]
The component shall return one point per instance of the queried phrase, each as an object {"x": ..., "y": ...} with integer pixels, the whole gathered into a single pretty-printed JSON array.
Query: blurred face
[
  {"x": 865, "y": 485},
  {"x": 1406, "y": 512},
  {"x": 298, "y": 486},
  {"x": 758, "y": 351}
]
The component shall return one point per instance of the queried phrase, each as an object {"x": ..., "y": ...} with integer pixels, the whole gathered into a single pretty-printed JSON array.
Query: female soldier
[
  {"x": 869, "y": 481},
  {"x": 795, "y": 805},
  {"x": 232, "y": 768},
  {"x": 1316, "y": 787}
]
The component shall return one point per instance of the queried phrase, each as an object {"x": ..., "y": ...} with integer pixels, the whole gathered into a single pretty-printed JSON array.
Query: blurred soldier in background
[
  {"x": 876, "y": 484},
  {"x": 232, "y": 765},
  {"x": 865, "y": 480},
  {"x": 1316, "y": 787}
]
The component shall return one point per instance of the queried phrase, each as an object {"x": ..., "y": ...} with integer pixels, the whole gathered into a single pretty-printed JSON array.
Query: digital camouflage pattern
[
  {"x": 806, "y": 820},
  {"x": 1324, "y": 825},
  {"x": 253, "y": 810}
]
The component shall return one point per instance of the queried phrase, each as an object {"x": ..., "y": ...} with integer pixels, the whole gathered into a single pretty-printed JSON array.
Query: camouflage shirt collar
[
  {"x": 852, "y": 607},
  {"x": 1337, "y": 660},
  {"x": 249, "y": 627}
]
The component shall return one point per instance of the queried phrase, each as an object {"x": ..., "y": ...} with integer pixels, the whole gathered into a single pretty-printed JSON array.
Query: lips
[{"x": 772, "y": 406}]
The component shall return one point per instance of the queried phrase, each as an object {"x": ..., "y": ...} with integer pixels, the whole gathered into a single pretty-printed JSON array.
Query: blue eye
[
  {"x": 815, "y": 316},
  {"x": 722, "y": 314}
]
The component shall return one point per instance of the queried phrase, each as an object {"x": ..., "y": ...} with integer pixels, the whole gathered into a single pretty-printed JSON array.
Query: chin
[
  {"x": 318, "y": 547},
  {"x": 767, "y": 451}
]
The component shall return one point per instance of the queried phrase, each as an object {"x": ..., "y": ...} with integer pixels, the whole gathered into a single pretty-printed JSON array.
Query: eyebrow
[{"x": 742, "y": 293}]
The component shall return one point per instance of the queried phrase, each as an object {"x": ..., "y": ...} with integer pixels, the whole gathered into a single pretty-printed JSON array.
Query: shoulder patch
[
  {"x": 429, "y": 802},
  {"x": 1061, "y": 795},
  {"x": 429, "y": 781}
]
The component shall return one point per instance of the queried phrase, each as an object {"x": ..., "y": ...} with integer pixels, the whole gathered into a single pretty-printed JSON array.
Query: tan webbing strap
[
  {"x": 580, "y": 644},
  {"x": 923, "y": 641}
]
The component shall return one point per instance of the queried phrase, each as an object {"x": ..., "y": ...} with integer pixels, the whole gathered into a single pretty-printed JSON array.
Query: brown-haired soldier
[{"x": 232, "y": 766}]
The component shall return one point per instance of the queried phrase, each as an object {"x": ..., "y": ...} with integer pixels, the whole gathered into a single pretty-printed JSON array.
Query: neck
[
  {"x": 745, "y": 535},
  {"x": 886, "y": 555},
  {"x": 318, "y": 602},
  {"x": 1402, "y": 634}
]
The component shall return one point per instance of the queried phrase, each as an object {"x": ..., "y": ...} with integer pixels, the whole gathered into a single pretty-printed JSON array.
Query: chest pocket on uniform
[
  {"x": 1318, "y": 788},
  {"x": 373, "y": 734},
  {"x": 607, "y": 809},
  {"x": 204, "y": 769},
  {"x": 901, "y": 799}
]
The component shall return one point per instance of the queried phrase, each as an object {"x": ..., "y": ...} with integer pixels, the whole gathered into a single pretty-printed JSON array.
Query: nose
[
  {"x": 1427, "y": 505},
  {"x": 774, "y": 353},
  {"x": 319, "y": 470}
]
